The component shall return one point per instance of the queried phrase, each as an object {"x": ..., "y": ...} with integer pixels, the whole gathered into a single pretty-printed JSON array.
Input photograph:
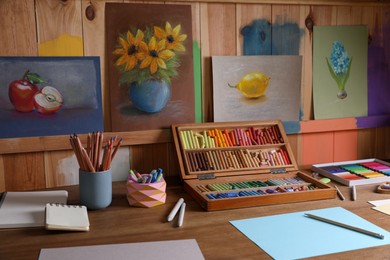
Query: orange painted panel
[
  {"x": 345, "y": 145},
  {"x": 316, "y": 148},
  {"x": 327, "y": 125}
]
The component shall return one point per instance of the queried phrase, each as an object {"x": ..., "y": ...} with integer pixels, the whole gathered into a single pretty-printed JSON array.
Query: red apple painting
[
  {"x": 21, "y": 94},
  {"x": 25, "y": 95},
  {"x": 47, "y": 96}
]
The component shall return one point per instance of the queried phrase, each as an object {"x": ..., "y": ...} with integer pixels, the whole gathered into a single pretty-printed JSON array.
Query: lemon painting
[
  {"x": 263, "y": 87},
  {"x": 252, "y": 85}
]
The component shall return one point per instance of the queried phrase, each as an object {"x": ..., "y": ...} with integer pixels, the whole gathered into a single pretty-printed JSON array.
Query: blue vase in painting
[{"x": 150, "y": 96}]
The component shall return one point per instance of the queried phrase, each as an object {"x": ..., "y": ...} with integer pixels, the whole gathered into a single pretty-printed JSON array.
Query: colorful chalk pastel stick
[
  {"x": 359, "y": 171},
  {"x": 259, "y": 192},
  {"x": 251, "y": 184},
  {"x": 228, "y": 138},
  {"x": 235, "y": 159}
]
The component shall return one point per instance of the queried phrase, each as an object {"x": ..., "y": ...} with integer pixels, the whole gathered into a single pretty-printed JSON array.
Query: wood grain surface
[
  {"x": 216, "y": 237},
  {"x": 27, "y": 24}
]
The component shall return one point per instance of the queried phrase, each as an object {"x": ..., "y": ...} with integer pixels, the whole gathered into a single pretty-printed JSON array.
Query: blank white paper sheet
[{"x": 187, "y": 249}]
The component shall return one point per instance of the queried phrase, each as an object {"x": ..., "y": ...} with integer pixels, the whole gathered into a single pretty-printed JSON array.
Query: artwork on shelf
[
  {"x": 43, "y": 96},
  {"x": 249, "y": 88},
  {"x": 150, "y": 65},
  {"x": 340, "y": 71}
]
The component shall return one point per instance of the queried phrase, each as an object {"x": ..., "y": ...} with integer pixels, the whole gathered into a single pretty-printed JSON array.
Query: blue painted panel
[
  {"x": 263, "y": 38},
  {"x": 292, "y": 127},
  {"x": 257, "y": 38},
  {"x": 286, "y": 38}
]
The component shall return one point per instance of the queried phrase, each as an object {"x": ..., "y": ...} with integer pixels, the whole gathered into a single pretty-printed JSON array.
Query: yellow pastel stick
[
  {"x": 206, "y": 139},
  {"x": 184, "y": 140},
  {"x": 190, "y": 143},
  {"x": 194, "y": 140}
]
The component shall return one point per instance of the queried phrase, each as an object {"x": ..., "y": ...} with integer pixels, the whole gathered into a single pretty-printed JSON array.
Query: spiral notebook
[{"x": 66, "y": 217}]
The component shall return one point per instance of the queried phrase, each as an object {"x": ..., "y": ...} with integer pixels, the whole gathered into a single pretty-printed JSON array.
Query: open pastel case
[{"x": 242, "y": 164}]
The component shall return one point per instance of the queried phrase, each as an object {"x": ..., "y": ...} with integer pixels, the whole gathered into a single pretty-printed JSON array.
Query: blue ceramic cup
[{"x": 95, "y": 189}]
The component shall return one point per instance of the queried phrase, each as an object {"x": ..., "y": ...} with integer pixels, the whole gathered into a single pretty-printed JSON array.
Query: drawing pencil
[
  {"x": 99, "y": 148},
  {"x": 89, "y": 158},
  {"x": 343, "y": 225},
  {"x": 86, "y": 159},
  {"x": 118, "y": 144},
  {"x": 339, "y": 193}
]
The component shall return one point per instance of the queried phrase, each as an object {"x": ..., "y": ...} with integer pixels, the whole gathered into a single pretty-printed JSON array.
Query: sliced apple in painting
[{"x": 48, "y": 100}]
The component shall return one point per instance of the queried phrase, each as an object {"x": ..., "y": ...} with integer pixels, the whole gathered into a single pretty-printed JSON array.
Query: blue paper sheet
[{"x": 294, "y": 236}]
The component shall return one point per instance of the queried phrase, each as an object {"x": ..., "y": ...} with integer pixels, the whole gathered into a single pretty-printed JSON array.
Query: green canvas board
[
  {"x": 197, "y": 82},
  {"x": 328, "y": 103}
]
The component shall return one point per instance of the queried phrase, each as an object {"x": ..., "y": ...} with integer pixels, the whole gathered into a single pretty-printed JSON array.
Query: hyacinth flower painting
[
  {"x": 150, "y": 65},
  {"x": 340, "y": 57},
  {"x": 339, "y": 67}
]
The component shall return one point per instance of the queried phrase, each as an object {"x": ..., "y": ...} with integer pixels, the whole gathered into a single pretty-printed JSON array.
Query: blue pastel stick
[
  {"x": 153, "y": 173},
  {"x": 211, "y": 196},
  {"x": 159, "y": 176}
]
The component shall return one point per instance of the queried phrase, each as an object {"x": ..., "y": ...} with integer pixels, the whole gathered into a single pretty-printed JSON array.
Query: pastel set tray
[
  {"x": 358, "y": 172},
  {"x": 242, "y": 164}
]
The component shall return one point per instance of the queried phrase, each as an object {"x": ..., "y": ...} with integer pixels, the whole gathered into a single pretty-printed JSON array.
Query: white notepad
[
  {"x": 27, "y": 208},
  {"x": 66, "y": 217}
]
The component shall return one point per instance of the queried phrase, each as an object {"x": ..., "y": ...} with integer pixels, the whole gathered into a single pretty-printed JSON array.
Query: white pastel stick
[
  {"x": 175, "y": 209},
  {"x": 354, "y": 194},
  {"x": 181, "y": 214}
]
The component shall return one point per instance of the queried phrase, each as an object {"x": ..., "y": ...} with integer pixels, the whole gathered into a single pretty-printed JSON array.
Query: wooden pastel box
[
  {"x": 356, "y": 172},
  {"x": 241, "y": 164}
]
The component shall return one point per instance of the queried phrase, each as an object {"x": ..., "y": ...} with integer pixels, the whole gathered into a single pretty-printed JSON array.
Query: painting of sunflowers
[{"x": 150, "y": 65}]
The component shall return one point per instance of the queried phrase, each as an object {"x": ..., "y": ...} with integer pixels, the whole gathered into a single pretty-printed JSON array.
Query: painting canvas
[
  {"x": 150, "y": 65},
  {"x": 340, "y": 71},
  {"x": 42, "y": 96},
  {"x": 256, "y": 88}
]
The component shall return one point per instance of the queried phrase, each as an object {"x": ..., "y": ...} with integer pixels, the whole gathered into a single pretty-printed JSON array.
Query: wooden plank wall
[{"x": 60, "y": 27}]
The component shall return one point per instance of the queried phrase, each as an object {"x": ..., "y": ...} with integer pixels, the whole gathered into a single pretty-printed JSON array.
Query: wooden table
[{"x": 217, "y": 238}]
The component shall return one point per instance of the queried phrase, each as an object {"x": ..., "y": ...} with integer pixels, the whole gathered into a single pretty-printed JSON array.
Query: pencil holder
[
  {"x": 146, "y": 194},
  {"x": 95, "y": 189}
]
